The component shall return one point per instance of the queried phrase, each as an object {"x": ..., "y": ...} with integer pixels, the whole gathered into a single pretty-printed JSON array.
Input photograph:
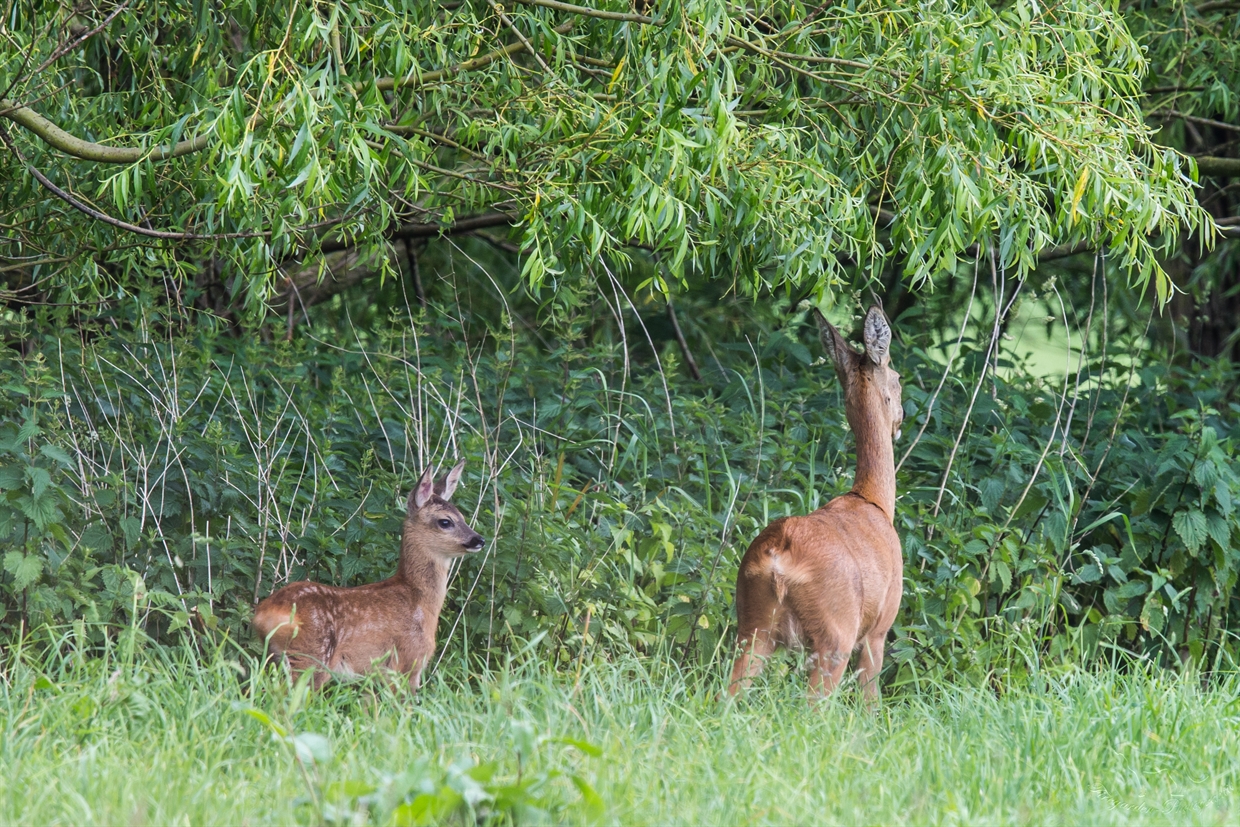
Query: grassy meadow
[
  {"x": 168, "y": 735},
  {"x": 1034, "y": 675}
]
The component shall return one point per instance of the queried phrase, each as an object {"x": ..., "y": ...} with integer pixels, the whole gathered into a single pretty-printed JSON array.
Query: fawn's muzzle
[{"x": 476, "y": 543}]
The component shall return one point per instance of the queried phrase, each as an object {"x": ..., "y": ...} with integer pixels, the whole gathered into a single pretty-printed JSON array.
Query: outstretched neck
[
  {"x": 875, "y": 479},
  {"x": 423, "y": 570}
]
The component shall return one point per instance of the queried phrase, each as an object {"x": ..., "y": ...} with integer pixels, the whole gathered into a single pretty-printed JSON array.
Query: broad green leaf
[
  {"x": 312, "y": 748},
  {"x": 1192, "y": 527},
  {"x": 25, "y": 568}
]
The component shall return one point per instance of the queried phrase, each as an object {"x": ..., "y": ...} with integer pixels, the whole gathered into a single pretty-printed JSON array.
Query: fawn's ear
[
  {"x": 423, "y": 491},
  {"x": 447, "y": 485},
  {"x": 877, "y": 335},
  {"x": 841, "y": 353}
]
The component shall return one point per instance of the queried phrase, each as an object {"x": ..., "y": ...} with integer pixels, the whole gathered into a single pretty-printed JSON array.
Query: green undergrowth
[
  {"x": 178, "y": 475},
  {"x": 149, "y": 734}
]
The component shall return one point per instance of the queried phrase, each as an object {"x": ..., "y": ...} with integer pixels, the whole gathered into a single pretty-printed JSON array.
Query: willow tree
[{"x": 768, "y": 145}]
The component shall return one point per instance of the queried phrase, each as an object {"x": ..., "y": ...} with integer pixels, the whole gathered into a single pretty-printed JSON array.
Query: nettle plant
[
  {"x": 32, "y": 511},
  {"x": 34, "y": 504},
  {"x": 1119, "y": 533},
  {"x": 56, "y": 563},
  {"x": 1171, "y": 566}
]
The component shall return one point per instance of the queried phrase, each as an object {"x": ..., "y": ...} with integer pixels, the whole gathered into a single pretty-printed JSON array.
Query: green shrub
[{"x": 172, "y": 481}]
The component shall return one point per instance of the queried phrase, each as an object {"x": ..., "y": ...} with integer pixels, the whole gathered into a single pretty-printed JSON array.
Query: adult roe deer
[
  {"x": 391, "y": 623},
  {"x": 832, "y": 580}
]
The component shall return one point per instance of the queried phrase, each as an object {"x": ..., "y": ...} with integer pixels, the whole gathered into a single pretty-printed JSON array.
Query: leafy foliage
[
  {"x": 480, "y": 792},
  {"x": 196, "y": 472},
  {"x": 759, "y": 149}
]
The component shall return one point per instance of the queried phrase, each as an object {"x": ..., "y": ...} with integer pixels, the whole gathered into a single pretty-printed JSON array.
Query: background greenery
[
  {"x": 261, "y": 263},
  {"x": 202, "y": 469}
]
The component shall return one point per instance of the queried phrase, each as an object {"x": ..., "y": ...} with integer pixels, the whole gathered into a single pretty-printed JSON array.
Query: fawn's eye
[{"x": 445, "y": 524}]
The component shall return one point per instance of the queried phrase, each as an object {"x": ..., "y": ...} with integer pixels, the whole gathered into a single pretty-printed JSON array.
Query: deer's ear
[
  {"x": 447, "y": 485},
  {"x": 840, "y": 352},
  {"x": 877, "y": 335},
  {"x": 423, "y": 491}
]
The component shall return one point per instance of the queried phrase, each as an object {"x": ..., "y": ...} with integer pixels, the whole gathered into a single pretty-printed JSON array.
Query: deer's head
[
  {"x": 439, "y": 526},
  {"x": 872, "y": 392}
]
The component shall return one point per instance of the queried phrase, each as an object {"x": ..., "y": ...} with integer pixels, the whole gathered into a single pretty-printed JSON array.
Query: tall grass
[{"x": 175, "y": 735}]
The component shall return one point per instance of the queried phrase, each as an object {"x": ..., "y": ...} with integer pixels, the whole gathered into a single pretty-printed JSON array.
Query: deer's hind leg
[
  {"x": 299, "y": 664},
  {"x": 755, "y": 648},
  {"x": 831, "y": 645},
  {"x": 303, "y": 654},
  {"x": 758, "y": 615},
  {"x": 870, "y": 663},
  {"x": 826, "y": 667}
]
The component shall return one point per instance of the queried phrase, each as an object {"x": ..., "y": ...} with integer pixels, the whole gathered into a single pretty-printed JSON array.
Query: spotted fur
[{"x": 390, "y": 624}]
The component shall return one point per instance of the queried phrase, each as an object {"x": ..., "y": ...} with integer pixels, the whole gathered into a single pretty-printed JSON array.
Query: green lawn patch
[{"x": 172, "y": 736}]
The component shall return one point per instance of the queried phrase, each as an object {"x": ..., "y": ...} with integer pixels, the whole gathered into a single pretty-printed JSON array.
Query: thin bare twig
[
  {"x": 499, "y": 10},
  {"x": 964, "y": 324},
  {"x": 69, "y": 46},
  {"x": 1037, "y": 470},
  {"x": 684, "y": 345},
  {"x": 1001, "y": 312}
]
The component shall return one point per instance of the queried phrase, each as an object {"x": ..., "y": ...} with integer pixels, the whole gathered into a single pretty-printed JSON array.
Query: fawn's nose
[{"x": 476, "y": 543}]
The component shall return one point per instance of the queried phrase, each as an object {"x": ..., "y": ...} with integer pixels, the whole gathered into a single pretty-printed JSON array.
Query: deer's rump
[{"x": 833, "y": 576}]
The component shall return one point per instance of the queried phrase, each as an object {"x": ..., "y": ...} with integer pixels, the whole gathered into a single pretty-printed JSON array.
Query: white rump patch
[{"x": 777, "y": 572}]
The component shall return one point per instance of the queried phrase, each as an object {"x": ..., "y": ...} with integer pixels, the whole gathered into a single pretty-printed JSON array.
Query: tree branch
[
  {"x": 1172, "y": 113},
  {"x": 57, "y": 138},
  {"x": 1215, "y": 5},
  {"x": 1218, "y": 167},
  {"x": 887, "y": 218},
  {"x": 416, "y": 230},
  {"x": 342, "y": 266},
  {"x": 415, "y": 78},
  {"x": 1229, "y": 227},
  {"x": 499, "y": 10},
  {"x": 1062, "y": 251},
  {"x": 70, "y": 45},
  {"x": 624, "y": 17},
  {"x": 104, "y": 217},
  {"x": 690, "y": 362}
]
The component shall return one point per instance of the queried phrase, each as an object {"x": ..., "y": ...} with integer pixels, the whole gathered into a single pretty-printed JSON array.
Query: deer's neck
[
  {"x": 425, "y": 572},
  {"x": 875, "y": 479}
]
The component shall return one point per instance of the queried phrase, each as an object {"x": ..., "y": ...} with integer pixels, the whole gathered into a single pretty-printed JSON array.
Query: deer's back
[
  {"x": 840, "y": 567},
  {"x": 347, "y": 629}
]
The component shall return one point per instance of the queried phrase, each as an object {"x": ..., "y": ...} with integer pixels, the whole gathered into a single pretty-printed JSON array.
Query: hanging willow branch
[{"x": 69, "y": 144}]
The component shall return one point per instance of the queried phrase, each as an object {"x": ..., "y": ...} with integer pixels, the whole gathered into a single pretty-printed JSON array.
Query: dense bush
[{"x": 171, "y": 477}]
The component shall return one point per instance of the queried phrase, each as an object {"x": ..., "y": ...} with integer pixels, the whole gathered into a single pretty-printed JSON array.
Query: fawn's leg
[{"x": 298, "y": 664}]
